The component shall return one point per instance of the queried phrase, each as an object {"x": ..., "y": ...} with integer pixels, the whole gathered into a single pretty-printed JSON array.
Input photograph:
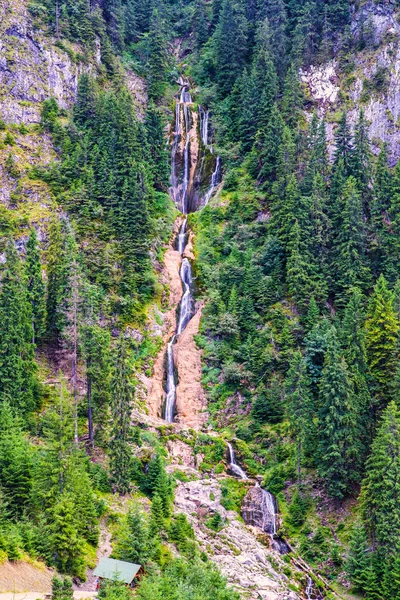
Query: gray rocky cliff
[{"x": 373, "y": 84}]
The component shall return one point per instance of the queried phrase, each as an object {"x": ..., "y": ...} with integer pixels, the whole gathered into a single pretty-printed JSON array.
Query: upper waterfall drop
[{"x": 238, "y": 471}]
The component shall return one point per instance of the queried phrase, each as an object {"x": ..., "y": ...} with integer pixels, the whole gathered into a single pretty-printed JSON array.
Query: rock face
[
  {"x": 374, "y": 84},
  {"x": 190, "y": 397},
  {"x": 32, "y": 68},
  {"x": 246, "y": 563},
  {"x": 259, "y": 509}
]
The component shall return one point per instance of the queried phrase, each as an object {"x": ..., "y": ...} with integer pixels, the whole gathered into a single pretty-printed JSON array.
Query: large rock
[
  {"x": 245, "y": 562},
  {"x": 259, "y": 509}
]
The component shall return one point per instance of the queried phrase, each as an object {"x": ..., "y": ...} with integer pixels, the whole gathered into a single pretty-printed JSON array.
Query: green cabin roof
[{"x": 118, "y": 570}]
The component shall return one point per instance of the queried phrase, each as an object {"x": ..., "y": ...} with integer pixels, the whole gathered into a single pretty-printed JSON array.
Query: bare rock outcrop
[
  {"x": 374, "y": 84},
  {"x": 190, "y": 397},
  {"x": 246, "y": 563}
]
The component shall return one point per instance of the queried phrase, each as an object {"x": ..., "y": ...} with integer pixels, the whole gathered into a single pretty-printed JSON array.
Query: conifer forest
[{"x": 200, "y": 299}]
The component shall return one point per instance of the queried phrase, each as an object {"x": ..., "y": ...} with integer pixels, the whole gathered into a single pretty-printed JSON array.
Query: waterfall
[
  {"x": 181, "y": 192},
  {"x": 204, "y": 117},
  {"x": 268, "y": 509},
  {"x": 185, "y": 312},
  {"x": 309, "y": 587},
  {"x": 171, "y": 384},
  {"x": 182, "y": 237},
  {"x": 215, "y": 181},
  {"x": 234, "y": 467}
]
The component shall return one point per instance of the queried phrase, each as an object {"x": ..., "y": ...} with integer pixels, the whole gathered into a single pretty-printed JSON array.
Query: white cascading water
[
  {"x": 309, "y": 588},
  {"x": 182, "y": 237},
  {"x": 234, "y": 467},
  {"x": 180, "y": 194},
  {"x": 215, "y": 181},
  {"x": 175, "y": 147},
  {"x": 204, "y": 117},
  {"x": 185, "y": 312},
  {"x": 268, "y": 504},
  {"x": 268, "y": 508},
  {"x": 171, "y": 384}
]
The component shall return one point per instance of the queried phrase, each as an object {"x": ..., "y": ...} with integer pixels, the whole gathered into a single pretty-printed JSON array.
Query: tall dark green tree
[
  {"x": 382, "y": 330},
  {"x": 36, "y": 286},
  {"x": 338, "y": 446},
  {"x": 381, "y": 486},
  {"x": 120, "y": 452},
  {"x": 18, "y": 383},
  {"x": 230, "y": 58}
]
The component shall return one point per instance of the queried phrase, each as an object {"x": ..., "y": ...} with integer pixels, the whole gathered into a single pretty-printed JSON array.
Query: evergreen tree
[
  {"x": 343, "y": 145},
  {"x": 229, "y": 57},
  {"x": 120, "y": 452},
  {"x": 158, "y": 153},
  {"x": 381, "y": 486},
  {"x": 36, "y": 286},
  {"x": 85, "y": 107},
  {"x": 96, "y": 350},
  {"x": 382, "y": 329},
  {"x": 361, "y": 161},
  {"x": 57, "y": 277},
  {"x": 300, "y": 406},
  {"x": 18, "y": 382},
  {"x": 157, "y": 63},
  {"x": 350, "y": 261},
  {"x": 338, "y": 448},
  {"x": 156, "y": 516},
  {"x": 66, "y": 542},
  {"x": 15, "y": 462},
  {"x": 358, "y": 559}
]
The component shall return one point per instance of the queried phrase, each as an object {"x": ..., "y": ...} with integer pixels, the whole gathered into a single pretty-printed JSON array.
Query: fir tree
[
  {"x": 18, "y": 382},
  {"x": 382, "y": 329},
  {"x": 229, "y": 58},
  {"x": 338, "y": 448},
  {"x": 300, "y": 406},
  {"x": 358, "y": 559},
  {"x": 120, "y": 452},
  {"x": 36, "y": 286},
  {"x": 381, "y": 486}
]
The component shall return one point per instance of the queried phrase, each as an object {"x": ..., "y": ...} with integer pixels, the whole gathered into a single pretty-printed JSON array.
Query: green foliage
[
  {"x": 18, "y": 383},
  {"x": 120, "y": 452}
]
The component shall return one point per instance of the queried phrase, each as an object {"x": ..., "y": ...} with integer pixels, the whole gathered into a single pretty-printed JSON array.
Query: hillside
[{"x": 200, "y": 297}]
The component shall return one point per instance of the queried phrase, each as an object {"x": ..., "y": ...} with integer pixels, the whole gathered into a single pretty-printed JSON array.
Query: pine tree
[
  {"x": 85, "y": 107},
  {"x": 200, "y": 25},
  {"x": 338, "y": 448},
  {"x": 358, "y": 558},
  {"x": 157, "y": 62},
  {"x": 57, "y": 276},
  {"x": 343, "y": 145},
  {"x": 361, "y": 161},
  {"x": 36, "y": 286},
  {"x": 229, "y": 57},
  {"x": 382, "y": 329},
  {"x": 158, "y": 152},
  {"x": 381, "y": 485},
  {"x": 15, "y": 462},
  {"x": 350, "y": 262},
  {"x": 300, "y": 407},
  {"x": 96, "y": 350},
  {"x": 265, "y": 151},
  {"x": 156, "y": 516},
  {"x": 65, "y": 540},
  {"x": 18, "y": 382},
  {"x": 292, "y": 98},
  {"x": 134, "y": 545},
  {"x": 120, "y": 452}
]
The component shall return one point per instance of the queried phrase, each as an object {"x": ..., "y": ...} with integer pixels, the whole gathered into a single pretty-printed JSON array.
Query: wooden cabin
[{"x": 118, "y": 570}]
